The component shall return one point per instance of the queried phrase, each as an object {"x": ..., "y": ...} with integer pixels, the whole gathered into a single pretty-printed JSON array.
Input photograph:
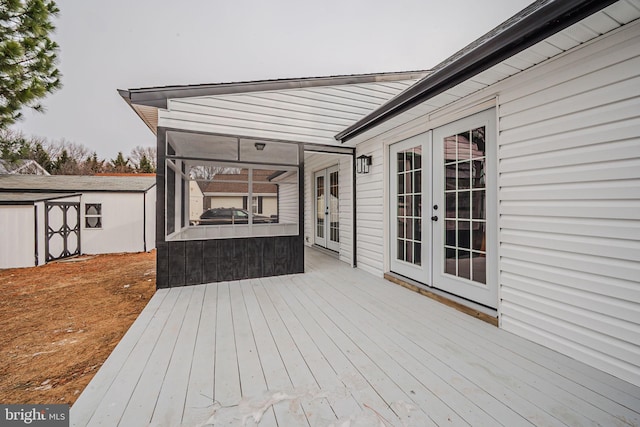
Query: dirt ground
[{"x": 59, "y": 322}]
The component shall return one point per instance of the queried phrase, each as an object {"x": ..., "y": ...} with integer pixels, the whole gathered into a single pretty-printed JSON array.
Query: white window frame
[{"x": 87, "y": 216}]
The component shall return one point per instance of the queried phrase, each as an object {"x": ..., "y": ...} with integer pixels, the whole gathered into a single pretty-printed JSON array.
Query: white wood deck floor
[{"x": 337, "y": 346}]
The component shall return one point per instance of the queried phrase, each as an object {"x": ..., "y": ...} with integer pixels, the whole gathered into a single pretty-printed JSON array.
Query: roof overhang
[
  {"x": 157, "y": 96},
  {"x": 532, "y": 25},
  {"x": 294, "y": 106}
]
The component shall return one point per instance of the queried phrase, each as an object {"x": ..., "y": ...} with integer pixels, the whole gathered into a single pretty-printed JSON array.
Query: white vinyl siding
[
  {"x": 123, "y": 223},
  {"x": 313, "y": 163},
  {"x": 313, "y": 114},
  {"x": 569, "y": 204},
  {"x": 371, "y": 210},
  {"x": 17, "y": 245},
  {"x": 288, "y": 198}
]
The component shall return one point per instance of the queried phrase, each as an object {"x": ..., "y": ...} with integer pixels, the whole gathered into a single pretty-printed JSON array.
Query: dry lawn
[{"x": 59, "y": 322}]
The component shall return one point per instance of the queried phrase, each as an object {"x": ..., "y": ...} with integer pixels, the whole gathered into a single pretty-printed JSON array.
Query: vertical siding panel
[{"x": 571, "y": 156}]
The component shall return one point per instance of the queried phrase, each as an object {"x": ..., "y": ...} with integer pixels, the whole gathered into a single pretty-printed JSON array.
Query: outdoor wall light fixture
[
  {"x": 259, "y": 146},
  {"x": 362, "y": 164}
]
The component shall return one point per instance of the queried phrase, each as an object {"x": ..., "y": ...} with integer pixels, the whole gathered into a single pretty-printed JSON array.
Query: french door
[
  {"x": 457, "y": 208},
  {"x": 327, "y": 218},
  {"x": 410, "y": 231}
]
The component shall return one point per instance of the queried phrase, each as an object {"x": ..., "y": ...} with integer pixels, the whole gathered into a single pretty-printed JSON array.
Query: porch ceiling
[{"x": 310, "y": 110}]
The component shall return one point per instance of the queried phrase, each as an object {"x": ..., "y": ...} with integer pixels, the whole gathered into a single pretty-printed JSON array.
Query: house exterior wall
[
  {"x": 314, "y": 163},
  {"x": 372, "y": 209},
  {"x": 123, "y": 223},
  {"x": 150, "y": 214},
  {"x": 288, "y": 199},
  {"x": 569, "y": 191},
  {"x": 568, "y": 200},
  {"x": 17, "y": 245},
  {"x": 196, "y": 201}
]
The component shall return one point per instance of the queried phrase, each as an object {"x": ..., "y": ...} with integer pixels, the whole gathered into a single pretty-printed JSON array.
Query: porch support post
[
  {"x": 354, "y": 250},
  {"x": 301, "y": 179}
]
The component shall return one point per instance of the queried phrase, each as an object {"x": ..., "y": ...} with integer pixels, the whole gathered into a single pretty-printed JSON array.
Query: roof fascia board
[
  {"x": 542, "y": 23},
  {"x": 75, "y": 190},
  {"x": 157, "y": 96}
]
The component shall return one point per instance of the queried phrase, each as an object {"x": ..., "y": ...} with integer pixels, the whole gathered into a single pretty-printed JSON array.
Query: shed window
[{"x": 93, "y": 215}]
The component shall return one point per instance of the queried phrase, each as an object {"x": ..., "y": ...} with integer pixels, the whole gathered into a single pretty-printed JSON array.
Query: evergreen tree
[
  {"x": 145, "y": 166},
  {"x": 65, "y": 165},
  {"x": 120, "y": 164},
  {"x": 93, "y": 165},
  {"x": 42, "y": 157},
  {"x": 13, "y": 147},
  {"x": 27, "y": 56}
]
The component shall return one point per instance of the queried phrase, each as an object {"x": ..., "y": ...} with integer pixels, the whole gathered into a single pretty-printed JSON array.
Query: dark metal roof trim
[
  {"x": 533, "y": 24},
  {"x": 157, "y": 96}
]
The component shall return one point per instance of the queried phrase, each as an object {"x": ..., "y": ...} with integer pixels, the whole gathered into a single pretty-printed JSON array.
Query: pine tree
[
  {"x": 120, "y": 164},
  {"x": 65, "y": 165},
  {"x": 27, "y": 56},
  {"x": 145, "y": 166},
  {"x": 39, "y": 154},
  {"x": 13, "y": 147}
]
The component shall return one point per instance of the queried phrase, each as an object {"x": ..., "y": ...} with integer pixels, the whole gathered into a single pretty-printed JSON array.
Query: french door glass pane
[
  {"x": 465, "y": 205},
  {"x": 409, "y": 178},
  {"x": 320, "y": 208},
  {"x": 334, "y": 221}
]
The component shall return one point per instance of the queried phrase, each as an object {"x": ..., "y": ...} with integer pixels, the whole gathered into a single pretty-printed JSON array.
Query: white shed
[{"x": 45, "y": 218}]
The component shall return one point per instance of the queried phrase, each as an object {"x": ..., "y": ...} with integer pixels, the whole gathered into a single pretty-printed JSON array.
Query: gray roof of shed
[
  {"x": 75, "y": 183},
  {"x": 31, "y": 198}
]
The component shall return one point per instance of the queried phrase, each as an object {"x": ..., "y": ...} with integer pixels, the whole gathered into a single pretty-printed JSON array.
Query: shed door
[{"x": 62, "y": 227}]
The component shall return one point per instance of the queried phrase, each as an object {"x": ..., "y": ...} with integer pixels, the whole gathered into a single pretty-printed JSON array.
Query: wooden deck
[{"x": 337, "y": 346}]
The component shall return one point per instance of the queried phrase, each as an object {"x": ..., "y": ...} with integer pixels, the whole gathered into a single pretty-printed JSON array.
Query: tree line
[{"x": 63, "y": 157}]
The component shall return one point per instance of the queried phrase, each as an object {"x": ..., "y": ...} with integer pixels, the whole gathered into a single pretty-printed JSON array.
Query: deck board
[
  {"x": 198, "y": 402},
  {"x": 447, "y": 403},
  {"x": 274, "y": 370},
  {"x": 337, "y": 346},
  {"x": 97, "y": 389},
  {"x": 565, "y": 391}
]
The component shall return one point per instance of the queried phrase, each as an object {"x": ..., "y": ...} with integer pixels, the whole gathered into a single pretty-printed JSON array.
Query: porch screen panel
[{"x": 233, "y": 187}]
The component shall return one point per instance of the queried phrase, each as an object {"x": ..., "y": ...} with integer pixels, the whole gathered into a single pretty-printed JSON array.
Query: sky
[{"x": 123, "y": 44}]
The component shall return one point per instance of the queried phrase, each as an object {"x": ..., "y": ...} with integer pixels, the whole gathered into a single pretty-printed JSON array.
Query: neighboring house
[
  {"x": 506, "y": 180},
  {"x": 44, "y": 218},
  {"x": 196, "y": 201},
  {"x": 229, "y": 189},
  {"x": 22, "y": 167}
]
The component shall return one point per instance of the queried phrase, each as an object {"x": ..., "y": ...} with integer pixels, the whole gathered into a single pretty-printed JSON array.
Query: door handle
[{"x": 434, "y": 218}]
